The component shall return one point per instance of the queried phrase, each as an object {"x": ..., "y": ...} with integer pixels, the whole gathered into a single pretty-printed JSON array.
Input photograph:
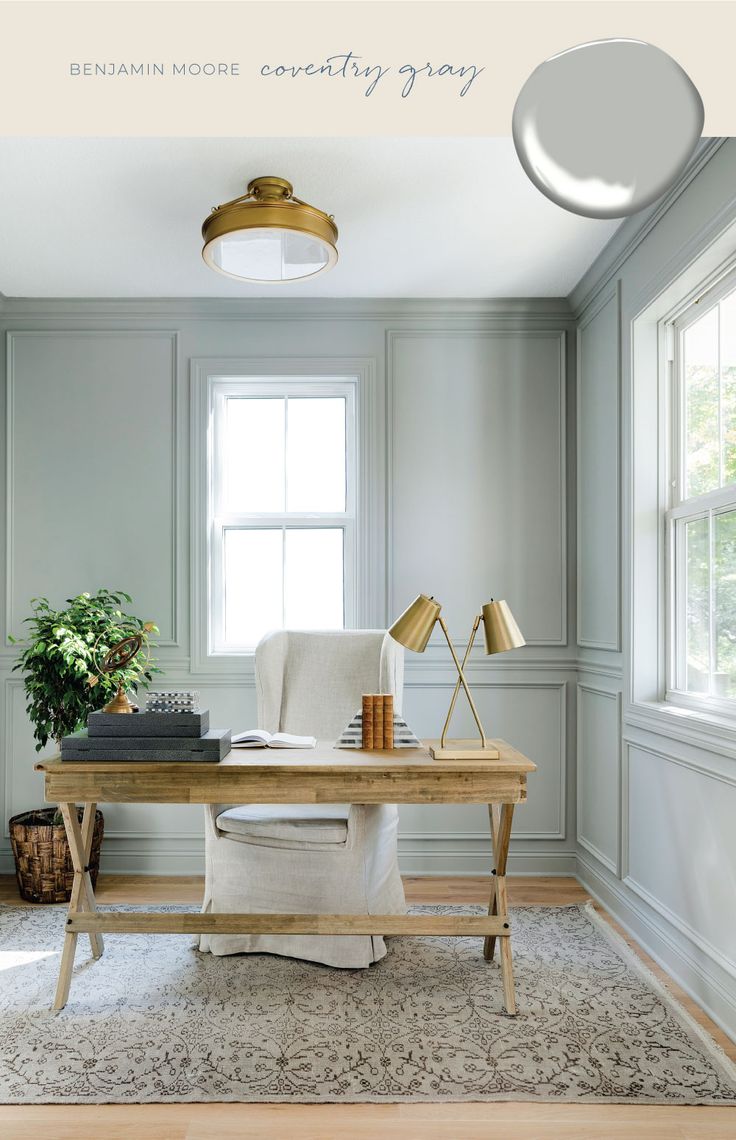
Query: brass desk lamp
[{"x": 414, "y": 629}]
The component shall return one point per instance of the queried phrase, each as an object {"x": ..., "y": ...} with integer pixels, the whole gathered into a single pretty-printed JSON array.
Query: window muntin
[
  {"x": 282, "y": 463},
  {"x": 702, "y": 519}
]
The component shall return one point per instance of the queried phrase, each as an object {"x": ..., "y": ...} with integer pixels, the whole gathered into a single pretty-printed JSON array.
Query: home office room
[{"x": 368, "y": 665}]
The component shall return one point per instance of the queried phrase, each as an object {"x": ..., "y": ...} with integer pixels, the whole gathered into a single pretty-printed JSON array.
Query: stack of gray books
[{"x": 149, "y": 737}]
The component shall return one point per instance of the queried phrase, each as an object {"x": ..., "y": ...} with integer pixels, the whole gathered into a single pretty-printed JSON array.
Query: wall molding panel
[
  {"x": 17, "y": 337},
  {"x": 167, "y": 342},
  {"x": 598, "y": 741},
  {"x": 557, "y": 794},
  {"x": 696, "y": 847},
  {"x": 436, "y": 442},
  {"x": 726, "y": 963},
  {"x": 8, "y": 727},
  {"x": 593, "y": 493}
]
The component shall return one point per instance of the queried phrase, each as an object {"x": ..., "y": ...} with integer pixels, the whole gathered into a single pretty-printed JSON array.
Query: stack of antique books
[
  {"x": 378, "y": 720},
  {"x": 148, "y": 737}
]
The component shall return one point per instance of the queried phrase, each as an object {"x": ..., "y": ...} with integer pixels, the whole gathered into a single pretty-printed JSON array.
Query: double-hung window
[
  {"x": 701, "y": 522},
  {"x": 282, "y": 507}
]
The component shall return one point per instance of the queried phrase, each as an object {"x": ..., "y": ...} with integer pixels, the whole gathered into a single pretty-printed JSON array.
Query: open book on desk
[{"x": 259, "y": 738}]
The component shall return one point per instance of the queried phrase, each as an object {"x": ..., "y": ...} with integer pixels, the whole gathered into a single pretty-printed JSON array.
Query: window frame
[
  {"x": 682, "y": 510},
  {"x": 220, "y": 521},
  {"x": 371, "y": 537}
]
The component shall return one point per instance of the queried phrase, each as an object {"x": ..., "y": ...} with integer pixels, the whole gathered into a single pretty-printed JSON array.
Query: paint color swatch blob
[{"x": 605, "y": 128}]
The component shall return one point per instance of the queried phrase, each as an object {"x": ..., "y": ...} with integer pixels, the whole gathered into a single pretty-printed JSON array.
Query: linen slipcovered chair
[{"x": 307, "y": 858}]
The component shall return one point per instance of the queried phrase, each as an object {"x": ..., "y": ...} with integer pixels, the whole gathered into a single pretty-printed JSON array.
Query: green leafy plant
[{"x": 60, "y": 660}]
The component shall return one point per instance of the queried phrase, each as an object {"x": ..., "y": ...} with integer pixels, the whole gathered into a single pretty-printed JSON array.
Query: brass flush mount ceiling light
[{"x": 269, "y": 236}]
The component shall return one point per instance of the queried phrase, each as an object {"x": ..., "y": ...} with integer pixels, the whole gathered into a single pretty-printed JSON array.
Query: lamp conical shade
[
  {"x": 414, "y": 628},
  {"x": 500, "y": 628}
]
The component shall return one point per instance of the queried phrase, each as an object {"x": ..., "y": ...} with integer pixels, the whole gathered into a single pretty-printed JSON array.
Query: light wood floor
[{"x": 540, "y": 1121}]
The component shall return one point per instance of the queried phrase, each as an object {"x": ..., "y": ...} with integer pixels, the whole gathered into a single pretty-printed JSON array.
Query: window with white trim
[
  {"x": 281, "y": 506},
  {"x": 701, "y": 522}
]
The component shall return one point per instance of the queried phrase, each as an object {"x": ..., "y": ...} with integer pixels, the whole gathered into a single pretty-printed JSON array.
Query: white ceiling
[{"x": 418, "y": 217}]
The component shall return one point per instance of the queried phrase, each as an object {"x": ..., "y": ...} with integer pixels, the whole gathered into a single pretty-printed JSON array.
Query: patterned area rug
[{"x": 156, "y": 1021}]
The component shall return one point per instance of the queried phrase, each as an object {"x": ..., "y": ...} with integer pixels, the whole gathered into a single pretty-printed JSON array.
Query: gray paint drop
[{"x": 604, "y": 128}]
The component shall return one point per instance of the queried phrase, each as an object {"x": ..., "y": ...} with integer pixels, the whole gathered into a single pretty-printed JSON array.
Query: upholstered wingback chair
[{"x": 306, "y": 858}]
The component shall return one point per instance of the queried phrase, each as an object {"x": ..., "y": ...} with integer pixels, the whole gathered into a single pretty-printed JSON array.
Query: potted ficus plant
[{"x": 60, "y": 662}]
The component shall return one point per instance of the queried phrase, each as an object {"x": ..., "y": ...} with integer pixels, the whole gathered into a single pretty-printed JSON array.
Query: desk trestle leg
[
  {"x": 83, "y": 899},
  {"x": 501, "y": 817}
]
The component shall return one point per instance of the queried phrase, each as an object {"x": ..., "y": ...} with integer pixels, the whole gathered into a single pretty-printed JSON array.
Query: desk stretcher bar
[{"x": 163, "y": 922}]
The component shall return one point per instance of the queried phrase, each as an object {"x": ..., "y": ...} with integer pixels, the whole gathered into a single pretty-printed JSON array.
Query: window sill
[{"x": 698, "y": 727}]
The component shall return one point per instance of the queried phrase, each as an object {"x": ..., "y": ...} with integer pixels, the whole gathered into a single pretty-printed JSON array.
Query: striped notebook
[{"x": 352, "y": 736}]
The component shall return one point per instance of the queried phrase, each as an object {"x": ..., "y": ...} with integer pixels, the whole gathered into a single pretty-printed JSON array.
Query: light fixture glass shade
[
  {"x": 268, "y": 236},
  {"x": 414, "y": 628},
  {"x": 269, "y": 255},
  {"x": 500, "y": 628}
]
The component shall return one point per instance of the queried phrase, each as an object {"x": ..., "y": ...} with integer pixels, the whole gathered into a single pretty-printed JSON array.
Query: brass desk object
[
  {"x": 414, "y": 629},
  {"x": 115, "y": 660},
  {"x": 314, "y": 776}
]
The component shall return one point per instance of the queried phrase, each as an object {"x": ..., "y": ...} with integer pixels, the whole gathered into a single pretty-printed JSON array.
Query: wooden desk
[{"x": 308, "y": 776}]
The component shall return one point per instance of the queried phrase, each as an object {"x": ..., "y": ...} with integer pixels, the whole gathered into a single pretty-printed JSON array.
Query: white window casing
[
  {"x": 362, "y": 523},
  {"x": 686, "y": 509}
]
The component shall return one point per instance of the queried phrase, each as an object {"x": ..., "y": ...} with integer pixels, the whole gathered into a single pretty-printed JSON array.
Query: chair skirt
[{"x": 256, "y": 874}]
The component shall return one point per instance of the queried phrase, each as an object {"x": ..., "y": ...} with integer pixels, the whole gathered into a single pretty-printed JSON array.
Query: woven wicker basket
[{"x": 43, "y": 862}]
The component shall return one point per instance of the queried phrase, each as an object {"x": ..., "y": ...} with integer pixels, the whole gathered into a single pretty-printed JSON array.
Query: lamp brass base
[{"x": 461, "y": 750}]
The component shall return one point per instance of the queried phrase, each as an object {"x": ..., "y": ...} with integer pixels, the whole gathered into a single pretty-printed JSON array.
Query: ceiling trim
[
  {"x": 634, "y": 230},
  {"x": 292, "y": 308}
]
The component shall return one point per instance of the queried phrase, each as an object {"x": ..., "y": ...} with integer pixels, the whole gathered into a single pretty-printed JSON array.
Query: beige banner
[{"x": 325, "y": 68}]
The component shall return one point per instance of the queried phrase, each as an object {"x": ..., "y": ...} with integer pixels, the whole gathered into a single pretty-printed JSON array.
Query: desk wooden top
[{"x": 323, "y": 774}]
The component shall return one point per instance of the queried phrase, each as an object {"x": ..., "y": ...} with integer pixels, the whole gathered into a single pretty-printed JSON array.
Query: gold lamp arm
[
  {"x": 451, "y": 709},
  {"x": 461, "y": 681}
]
